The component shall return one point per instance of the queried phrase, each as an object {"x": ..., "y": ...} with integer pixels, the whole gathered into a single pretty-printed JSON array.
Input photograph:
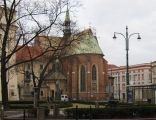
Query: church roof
[
  {"x": 67, "y": 17},
  {"x": 82, "y": 43},
  {"x": 86, "y": 43},
  {"x": 28, "y": 52}
]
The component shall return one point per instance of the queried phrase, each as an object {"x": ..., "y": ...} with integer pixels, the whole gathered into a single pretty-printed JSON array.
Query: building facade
[
  {"x": 153, "y": 65},
  {"x": 11, "y": 43},
  {"x": 139, "y": 77},
  {"x": 153, "y": 86}
]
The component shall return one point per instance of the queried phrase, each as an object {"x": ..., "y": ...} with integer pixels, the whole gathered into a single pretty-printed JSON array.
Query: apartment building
[{"x": 139, "y": 77}]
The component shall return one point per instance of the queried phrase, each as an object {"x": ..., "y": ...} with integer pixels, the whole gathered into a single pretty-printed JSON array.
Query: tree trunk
[
  {"x": 36, "y": 98},
  {"x": 4, "y": 86},
  {"x": 4, "y": 83}
]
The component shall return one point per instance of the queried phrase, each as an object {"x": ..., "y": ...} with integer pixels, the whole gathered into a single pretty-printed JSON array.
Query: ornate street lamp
[{"x": 127, "y": 37}]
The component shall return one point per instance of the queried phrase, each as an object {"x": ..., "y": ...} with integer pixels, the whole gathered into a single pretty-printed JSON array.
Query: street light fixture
[
  {"x": 127, "y": 37},
  {"x": 114, "y": 37}
]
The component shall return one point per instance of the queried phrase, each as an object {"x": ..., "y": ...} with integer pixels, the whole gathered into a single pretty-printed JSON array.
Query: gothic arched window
[
  {"x": 82, "y": 79},
  {"x": 94, "y": 73}
]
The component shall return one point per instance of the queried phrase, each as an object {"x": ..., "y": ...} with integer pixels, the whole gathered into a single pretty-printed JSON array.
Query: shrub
[
  {"x": 112, "y": 112},
  {"x": 20, "y": 106},
  {"x": 33, "y": 112}
]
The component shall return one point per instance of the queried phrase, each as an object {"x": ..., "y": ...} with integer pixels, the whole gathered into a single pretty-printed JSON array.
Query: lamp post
[
  {"x": 118, "y": 85},
  {"x": 127, "y": 36}
]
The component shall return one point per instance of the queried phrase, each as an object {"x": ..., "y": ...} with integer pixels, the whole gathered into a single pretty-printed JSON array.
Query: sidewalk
[{"x": 18, "y": 115}]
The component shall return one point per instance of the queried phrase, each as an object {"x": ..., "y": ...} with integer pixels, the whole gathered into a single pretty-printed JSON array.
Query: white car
[{"x": 64, "y": 98}]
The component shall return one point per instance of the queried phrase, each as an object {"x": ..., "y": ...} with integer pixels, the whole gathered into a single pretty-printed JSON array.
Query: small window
[
  {"x": 27, "y": 75},
  {"x": 12, "y": 93},
  {"x": 82, "y": 79},
  {"x": 94, "y": 77},
  {"x": 123, "y": 95},
  {"x": 41, "y": 93}
]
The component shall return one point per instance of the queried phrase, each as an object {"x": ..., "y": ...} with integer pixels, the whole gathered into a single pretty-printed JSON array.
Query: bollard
[
  {"x": 24, "y": 114},
  {"x": 90, "y": 110},
  {"x": 76, "y": 112}
]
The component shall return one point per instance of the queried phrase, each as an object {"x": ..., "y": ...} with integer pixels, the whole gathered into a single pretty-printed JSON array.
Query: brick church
[{"x": 79, "y": 70}]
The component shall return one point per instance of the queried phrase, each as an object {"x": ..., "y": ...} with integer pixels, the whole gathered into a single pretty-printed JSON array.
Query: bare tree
[
  {"x": 21, "y": 23},
  {"x": 57, "y": 48}
]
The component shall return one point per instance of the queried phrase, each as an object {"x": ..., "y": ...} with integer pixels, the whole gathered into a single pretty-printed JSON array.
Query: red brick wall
[{"x": 71, "y": 67}]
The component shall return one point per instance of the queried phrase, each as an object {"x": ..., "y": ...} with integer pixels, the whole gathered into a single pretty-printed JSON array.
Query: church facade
[
  {"x": 79, "y": 70},
  {"x": 86, "y": 75}
]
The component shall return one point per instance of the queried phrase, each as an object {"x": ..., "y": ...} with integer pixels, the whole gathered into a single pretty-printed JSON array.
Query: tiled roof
[
  {"x": 110, "y": 66},
  {"x": 137, "y": 66},
  {"x": 28, "y": 52},
  {"x": 83, "y": 43}
]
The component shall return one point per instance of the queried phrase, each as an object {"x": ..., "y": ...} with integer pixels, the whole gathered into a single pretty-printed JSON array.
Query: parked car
[{"x": 64, "y": 98}]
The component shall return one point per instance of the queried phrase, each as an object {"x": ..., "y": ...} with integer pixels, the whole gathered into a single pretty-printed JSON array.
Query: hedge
[
  {"x": 29, "y": 104},
  {"x": 112, "y": 112}
]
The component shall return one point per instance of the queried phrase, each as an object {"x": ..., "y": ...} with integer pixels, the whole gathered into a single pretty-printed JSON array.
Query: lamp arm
[
  {"x": 120, "y": 34},
  {"x": 132, "y": 35}
]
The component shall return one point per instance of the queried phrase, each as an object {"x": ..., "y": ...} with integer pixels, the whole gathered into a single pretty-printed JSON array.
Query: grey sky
[{"x": 109, "y": 16}]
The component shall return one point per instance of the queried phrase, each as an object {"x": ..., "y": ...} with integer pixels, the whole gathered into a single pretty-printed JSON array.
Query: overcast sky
[{"x": 109, "y": 16}]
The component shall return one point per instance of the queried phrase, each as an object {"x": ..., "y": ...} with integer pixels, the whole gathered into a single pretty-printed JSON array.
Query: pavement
[{"x": 18, "y": 115}]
